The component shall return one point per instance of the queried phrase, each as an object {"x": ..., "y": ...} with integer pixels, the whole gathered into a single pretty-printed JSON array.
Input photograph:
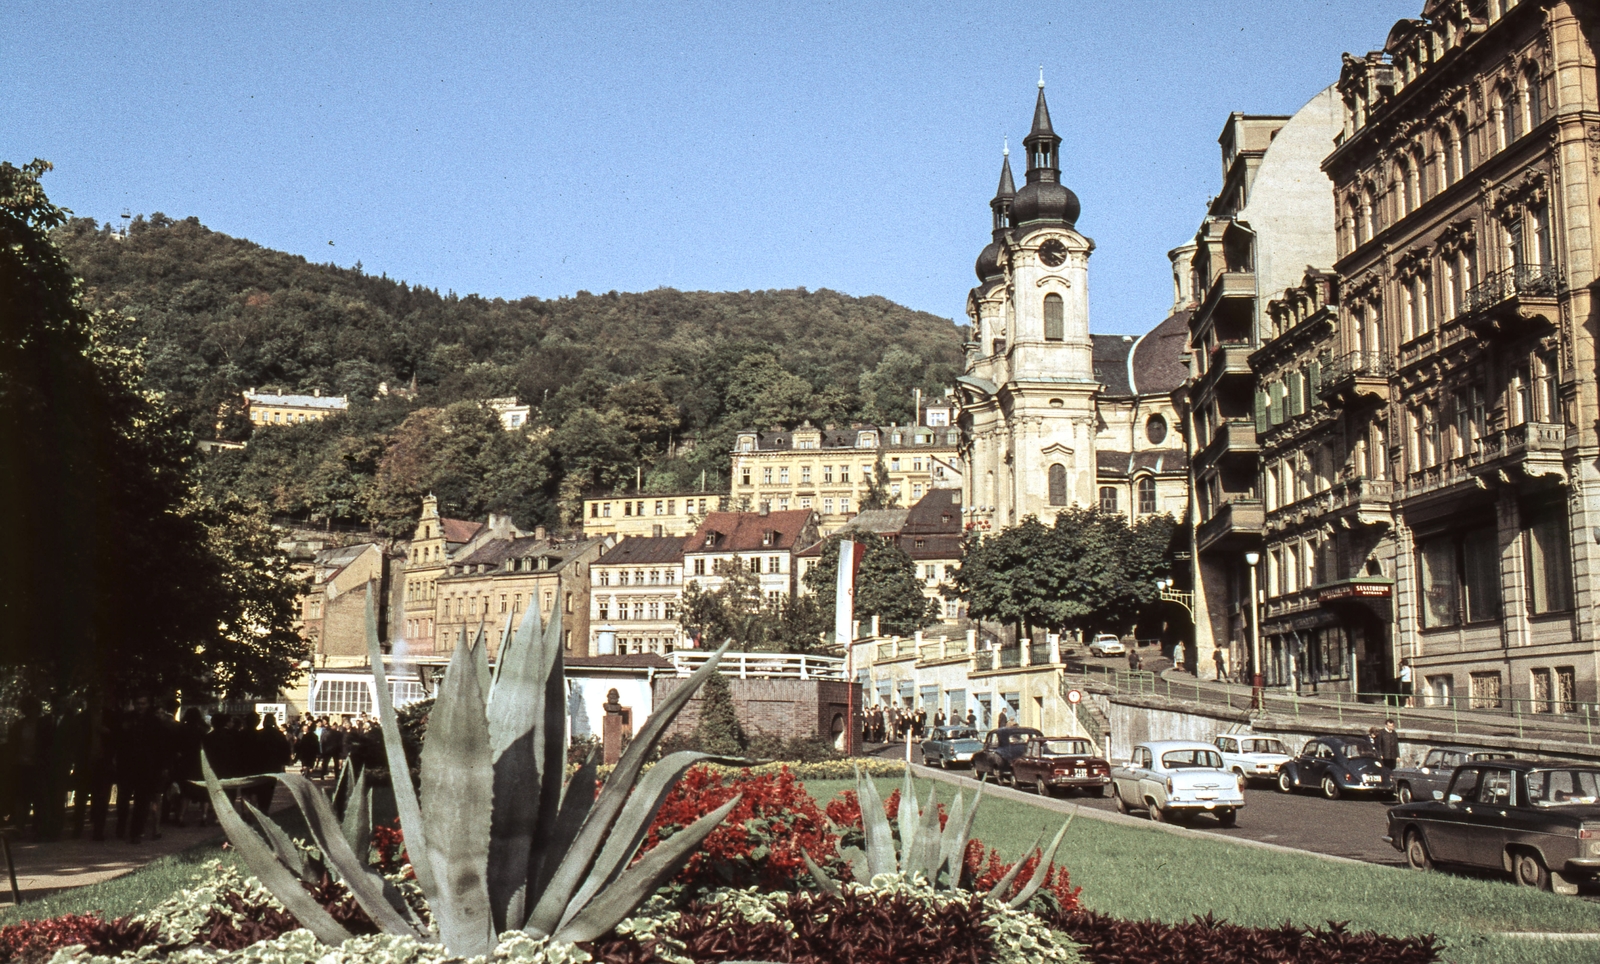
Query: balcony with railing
[
  {"x": 1367, "y": 501},
  {"x": 1234, "y": 436},
  {"x": 1229, "y": 359},
  {"x": 1358, "y": 375},
  {"x": 1516, "y": 301},
  {"x": 1533, "y": 448},
  {"x": 1237, "y": 522}
]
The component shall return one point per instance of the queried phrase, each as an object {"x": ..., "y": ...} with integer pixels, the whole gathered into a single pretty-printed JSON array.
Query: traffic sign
[{"x": 1073, "y": 696}]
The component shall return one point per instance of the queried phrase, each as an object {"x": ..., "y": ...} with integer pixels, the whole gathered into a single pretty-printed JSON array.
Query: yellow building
[
  {"x": 268, "y": 409},
  {"x": 829, "y": 470},
  {"x": 499, "y": 577},
  {"x": 648, "y": 516},
  {"x": 435, "y": 541}
]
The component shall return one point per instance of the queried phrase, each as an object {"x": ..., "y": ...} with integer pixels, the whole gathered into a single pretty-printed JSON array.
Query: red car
[{"x": 1061, "y": 762}]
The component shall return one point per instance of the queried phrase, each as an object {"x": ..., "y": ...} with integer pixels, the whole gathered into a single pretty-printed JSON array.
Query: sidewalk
[{"x": 46, "y": 867}]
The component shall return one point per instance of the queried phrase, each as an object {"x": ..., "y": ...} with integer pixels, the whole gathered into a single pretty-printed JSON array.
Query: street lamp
[{"x": 1257, "y": 682}]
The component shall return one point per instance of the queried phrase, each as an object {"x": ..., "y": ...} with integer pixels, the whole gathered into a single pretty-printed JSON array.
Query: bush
[
  {"x": 34, "y": 941},
  {"x": 719, "y": 731},
  {"x": 1205, "y": 940}
]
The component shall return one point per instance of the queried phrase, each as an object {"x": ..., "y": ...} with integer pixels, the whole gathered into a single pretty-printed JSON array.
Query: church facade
[{"x": 1051, "y": 415}]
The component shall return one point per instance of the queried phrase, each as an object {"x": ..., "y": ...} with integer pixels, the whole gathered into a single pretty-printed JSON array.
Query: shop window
[{"x": 1549, "y": 563}]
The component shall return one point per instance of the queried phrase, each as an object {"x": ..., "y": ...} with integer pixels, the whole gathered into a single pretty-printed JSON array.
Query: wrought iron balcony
[
  {"x": 1358, "y": 374},
  {"x": 1516, "y": 301}
]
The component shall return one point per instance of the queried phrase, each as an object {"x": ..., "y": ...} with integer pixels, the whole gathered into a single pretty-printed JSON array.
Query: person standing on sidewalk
[
  {"x": 1387, "y": 742},
  {"x": 1405, "y": 681},
  {"x": 1221, "y": 663}
]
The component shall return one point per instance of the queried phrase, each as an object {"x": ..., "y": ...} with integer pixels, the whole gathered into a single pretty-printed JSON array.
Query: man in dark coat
[{"x": 1387, "y": 742}]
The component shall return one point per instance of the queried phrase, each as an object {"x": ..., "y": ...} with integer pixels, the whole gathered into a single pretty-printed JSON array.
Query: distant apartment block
[
  {"x": 656, "y": 514},
  {"x": 268, "y": 409}
]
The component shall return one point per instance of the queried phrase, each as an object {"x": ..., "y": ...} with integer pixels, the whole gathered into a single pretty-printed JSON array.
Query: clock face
[{"x": 1053, "y": 253}]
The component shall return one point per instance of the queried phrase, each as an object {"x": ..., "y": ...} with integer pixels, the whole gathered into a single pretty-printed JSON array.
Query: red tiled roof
[
  {"x": 746, "y": 531},
  {"x": 459, "y": 530}
]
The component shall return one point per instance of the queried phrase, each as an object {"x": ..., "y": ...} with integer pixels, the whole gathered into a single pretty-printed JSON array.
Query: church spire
[
  {"x": 1042, "y": 143},
  {"x": 1001, "y": 205}
]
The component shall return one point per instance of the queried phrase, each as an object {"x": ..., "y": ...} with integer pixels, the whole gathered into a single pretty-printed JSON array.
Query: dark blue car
[{"x": 1336, "y": 765}]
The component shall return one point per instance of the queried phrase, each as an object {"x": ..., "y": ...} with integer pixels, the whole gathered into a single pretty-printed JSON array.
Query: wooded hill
[{"x": 618, "y": 382}]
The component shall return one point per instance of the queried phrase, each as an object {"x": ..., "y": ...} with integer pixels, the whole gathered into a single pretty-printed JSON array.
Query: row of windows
[
  {"x": 1531, "y": 395},
  {"x": 657, "y": 577},
  {"x": 470, "y": 605},
  {"x": 753, "y": 563},
  {"x": 1146, "y": 488},
  {"x": 421, "y": 590},
  {"x": 425, "y": 554},
  {"x": 641, "y": 610},
  {"x": 284, "y": 418},
  {"x": 1459, "y": 573},
  {"x": 637, "y": 507},
  {"x": 1551, "y": 689}
]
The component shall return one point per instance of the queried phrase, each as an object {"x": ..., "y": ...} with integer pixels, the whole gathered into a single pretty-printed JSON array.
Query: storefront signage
[{"x": 1356, "y": 590}]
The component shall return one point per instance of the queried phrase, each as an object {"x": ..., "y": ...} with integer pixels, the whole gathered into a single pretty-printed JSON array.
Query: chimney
[
  {"x": 656, "y": 530},
  {"x": 539, "y": 533},
  {"x": 317, "y": 392}
]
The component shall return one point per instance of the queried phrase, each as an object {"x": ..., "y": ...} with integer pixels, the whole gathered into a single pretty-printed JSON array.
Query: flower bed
[{"x": 746, "y": 895}]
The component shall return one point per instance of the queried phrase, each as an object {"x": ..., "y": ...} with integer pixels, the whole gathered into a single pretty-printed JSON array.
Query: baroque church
[{"x": 1052, "y": 415}]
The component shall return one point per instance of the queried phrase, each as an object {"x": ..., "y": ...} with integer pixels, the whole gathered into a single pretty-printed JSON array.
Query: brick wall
[{"x": 788, "y": 708}]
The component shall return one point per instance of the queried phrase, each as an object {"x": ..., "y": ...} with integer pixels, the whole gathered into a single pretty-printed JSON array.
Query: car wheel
[
  {"x": 944, "y": 763},
  {"x": 1009, "y": 778},
  {"x": 1122, "y": 805},
  {"x": 1041, "y": 788},
  {"x": 1285, "y": 782},
  {"x": 1157, "y": 815},
  {"x": 1417, "y": 857},
  {"x": 1228, "y": 818},
  {"x": 1530, "y": 871},
  {"x": 1330, "y": 788},
  {"x": 1403, "y": 793}
]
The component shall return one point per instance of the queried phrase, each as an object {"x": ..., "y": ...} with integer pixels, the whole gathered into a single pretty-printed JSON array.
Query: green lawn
[
  {"x": 1134, "y": 872},
  {"x": 1138, "y": 872}
]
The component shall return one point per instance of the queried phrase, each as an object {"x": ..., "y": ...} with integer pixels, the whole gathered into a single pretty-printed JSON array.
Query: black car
[
  {"x": 1336, "y": 765},
  {"x": 1539, "y": 822},
  {"x": 1000, "y": 747}
]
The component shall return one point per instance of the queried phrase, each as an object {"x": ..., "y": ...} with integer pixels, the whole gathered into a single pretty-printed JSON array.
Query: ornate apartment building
[
  {"x": 1271, "y": 220},
  {"x": 636, "y": 588},
  {"x": 1466, "y": 178},
  {"x": 1050, "y": 415},
  {"x": 828, "y": 470}
]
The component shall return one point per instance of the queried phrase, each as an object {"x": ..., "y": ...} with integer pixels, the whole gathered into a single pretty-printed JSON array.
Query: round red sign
[{"x": 1073, "y": 696}]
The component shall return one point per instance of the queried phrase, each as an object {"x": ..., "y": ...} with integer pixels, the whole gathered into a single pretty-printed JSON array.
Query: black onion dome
[
  {"x": 1045, "y": 201},
  {"x": 988, "y": 266}
]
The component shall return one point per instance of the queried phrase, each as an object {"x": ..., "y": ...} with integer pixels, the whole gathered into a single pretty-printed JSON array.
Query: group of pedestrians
[
  {"x": 136, "y": 753},
  {"x": 884, "y": 724},
  {"x": 323, "y": 744}
]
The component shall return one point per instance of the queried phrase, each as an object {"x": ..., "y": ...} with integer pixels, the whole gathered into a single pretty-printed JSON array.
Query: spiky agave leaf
[
  {"x": 875, "y": 828},
  {"x": 377, "y": 896},
  {"x": 1037, "y": 880},
  {"x": 258, "y": 856},
  {"x": 291, "y": 856},
  {"x": 608, "y": 907},
  {"x": 952, "y": 854},
  {"x": 513, "y": 712},
  {"x": 576, "y": 801},
  {"x": 356, "y": 822},
  {"x": 574, "y": 867},
  {"x": 828, "y": 884},
  {"x": 405, "y": 795},
  {"x": 998, "y": 891},
  {"x": 926, "y": 851},
  {"x": 959, "y": 844},
  {"x": 907, "y": 821},
  {"x": 554, "y": 828},
  {"x": 457, "y": 800}
]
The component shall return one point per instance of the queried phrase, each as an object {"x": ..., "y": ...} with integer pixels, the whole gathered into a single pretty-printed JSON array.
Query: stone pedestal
[{"x": 617, "y": 727}]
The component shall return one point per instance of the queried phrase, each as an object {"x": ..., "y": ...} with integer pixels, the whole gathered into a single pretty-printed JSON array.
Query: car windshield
[
  {"x": 1563, "y": 788},
  {"x": 1066, "y": 747},
  {"x": 1186, "y": 759},
  {"x": 1262, "y": 746},
  {"x": 1359, "y": 751},
  {"x": 961, "y": 734}
]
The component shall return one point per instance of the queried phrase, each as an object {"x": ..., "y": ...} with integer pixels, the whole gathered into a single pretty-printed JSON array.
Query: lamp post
[{"x": 1257, "y": 681}]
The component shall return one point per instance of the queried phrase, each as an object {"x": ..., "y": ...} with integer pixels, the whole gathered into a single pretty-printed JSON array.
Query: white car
[
  {"x": 1252, "y": 757},
  {"x": 1106, "y": 644},
  {"x": 1175, "y": 778}
]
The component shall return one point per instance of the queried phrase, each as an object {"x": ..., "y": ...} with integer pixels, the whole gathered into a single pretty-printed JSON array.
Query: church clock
[{"x": 1053, "y": 253}]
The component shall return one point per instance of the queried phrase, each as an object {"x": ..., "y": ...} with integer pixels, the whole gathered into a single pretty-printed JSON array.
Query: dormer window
[{"x": 768, "y": 537}]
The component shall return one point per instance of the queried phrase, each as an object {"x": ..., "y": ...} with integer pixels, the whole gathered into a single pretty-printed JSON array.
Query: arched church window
[
  {"x": 1147, "y": 495},
  {"x": 1058, "y": 484},
  {"x": 1055, "y": 325},
  {"x": 1108, "y": 498}
]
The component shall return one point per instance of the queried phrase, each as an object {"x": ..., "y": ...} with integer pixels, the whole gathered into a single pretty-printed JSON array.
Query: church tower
[{"x": 1029, "y": 387}]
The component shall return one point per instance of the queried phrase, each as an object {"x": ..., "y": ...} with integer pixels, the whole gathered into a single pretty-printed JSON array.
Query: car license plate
[
  {"x": 1206, "y": 796},
  {"x": 1078, "y": 773}
]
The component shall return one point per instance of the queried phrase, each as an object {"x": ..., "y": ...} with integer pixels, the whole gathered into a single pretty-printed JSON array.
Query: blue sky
[{"x": 539, "y": 149}]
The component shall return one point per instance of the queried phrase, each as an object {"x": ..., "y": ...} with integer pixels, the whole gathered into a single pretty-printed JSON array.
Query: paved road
[{"x": 1344, "y": 828}]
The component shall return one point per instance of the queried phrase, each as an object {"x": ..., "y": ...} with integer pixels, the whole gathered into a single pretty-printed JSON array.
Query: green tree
[
  {"x": 130, "y": 583},
  {"x": 878, "y": 494},
  {"x": 719, "y": 731},
  {"x": 886, "y": 585},
  {"x": 1090, "y": 571}
]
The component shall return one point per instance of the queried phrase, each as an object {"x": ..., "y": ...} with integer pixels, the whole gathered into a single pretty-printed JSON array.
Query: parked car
[
  {"x": 949, "y": 745},
  {"x": 1000, "y": 747},
  {"x": 1252, "y": 757},
  {"x": 1336, "y": 765},
  {"x": 1427, "y": 780},
  {"x": 1106, "y": 644},
  {"x": 1061, "y": 762},
  {"x": 1539, "y": 822},
  {"x": 1170, "y": 779}
]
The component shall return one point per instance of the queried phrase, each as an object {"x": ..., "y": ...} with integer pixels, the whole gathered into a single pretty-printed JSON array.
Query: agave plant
[
  {"x": 496, "y": 840},
  {"x": 926, "y": 850}
]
